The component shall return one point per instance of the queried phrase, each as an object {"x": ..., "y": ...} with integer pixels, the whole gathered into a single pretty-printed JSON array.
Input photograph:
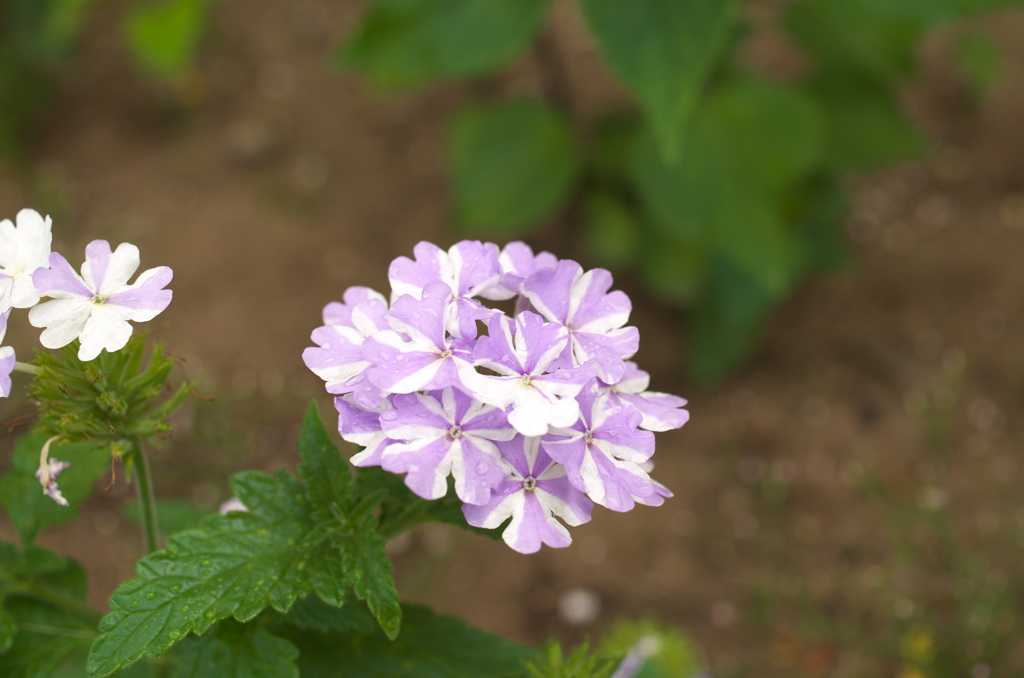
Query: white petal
[
  {"x": 106, "y": 329},
  {"x": 64, "y": 320}
]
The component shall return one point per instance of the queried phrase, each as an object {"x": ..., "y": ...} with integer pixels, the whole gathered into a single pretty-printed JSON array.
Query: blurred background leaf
[
  {"x": 164, "y": 35},
  {"x": 405, "y": 43},
  {"x": 512, "y": 165}
]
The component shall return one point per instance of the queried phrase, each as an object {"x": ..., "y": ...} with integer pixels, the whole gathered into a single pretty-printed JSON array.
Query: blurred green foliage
[
  {"x": 722, "y": 190},
  {"x": 38, "y": 36}
]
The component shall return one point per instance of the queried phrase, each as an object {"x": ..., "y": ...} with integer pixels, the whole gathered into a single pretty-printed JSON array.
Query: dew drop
[
  {"x": 176, "y": 588},
  {"x": 481, "y": 467},
  {"x": 205, "y": 563},
  {"x": 329, "y": 360},
  {"x": 326, "y": 346},
  {"x": 367, "y": 388},
  {"x": 399, "y": 357},
  {"x": 135, "y": 603},
  {"x": 175, "y": 634},
  {"x": 150, "y": 596},
  {"x": 412, "y": 468},
  {"x": 389, "y": 415}
]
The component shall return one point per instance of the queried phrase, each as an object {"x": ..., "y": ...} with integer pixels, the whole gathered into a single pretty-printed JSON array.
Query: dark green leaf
[
  {"x": 865, "y": 124},
  {"x": 45, "y": 638},
  {"x": 749, "y": 145},
  {"x": 164, "y": 35},
  {"x": 404, "y": 43},
  {"x": 30, "y": 510},
  {"x": 663, "y": 51},
  {"x": 436, "y": 645},
  {"x": 674, "y": 267},
  {"x": 725, "y": 326},
  {"x": 856, "y": 36},
  {"x": 233, "y": 565},
  {"x": 369, "y": 571},
  {"x": 233, "y": 650},
  {"x": 8, "y": 629},
  {"x": 613, "y": 232},
  {"x": 512, "y": 165},
  {"x": 327, "y": 475},
  {"x": 313, "y": 614}
]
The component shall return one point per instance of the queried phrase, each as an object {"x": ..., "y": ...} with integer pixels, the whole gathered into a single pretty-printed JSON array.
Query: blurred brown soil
[{"x": 270, "y": 182}]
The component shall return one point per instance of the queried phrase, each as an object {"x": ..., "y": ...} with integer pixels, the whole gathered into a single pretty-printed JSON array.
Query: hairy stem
[{"x": 147, "y": 500}]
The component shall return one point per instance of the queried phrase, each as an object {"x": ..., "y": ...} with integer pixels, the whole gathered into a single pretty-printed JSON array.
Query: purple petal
[
  {"x": 412, "y": 277},
  {"x": 550, "y": 290},
  {"x": 660, "y": 411},
  {"x": 475, "y": 267},
  {"x": 426, "y": 463},
  {"x": 60, "y": 280},
  {"x": 425, "y": 319},
  {"x": 7, "y": 360},
  {"x": 146, "y": 297}
]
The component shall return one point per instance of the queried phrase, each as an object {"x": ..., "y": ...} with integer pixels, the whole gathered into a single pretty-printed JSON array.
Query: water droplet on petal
[
  {"x": 481, "y": 467},
  {"x": 326, "y": 346},
  {"x": 389, "y": 415},
  {"x": 399, "y": 357}
]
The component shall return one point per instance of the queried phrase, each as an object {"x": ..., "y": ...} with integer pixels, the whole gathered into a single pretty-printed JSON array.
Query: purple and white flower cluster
[
  {"x": 95, "y": 307},
  {"x": 536, "y": 416}
]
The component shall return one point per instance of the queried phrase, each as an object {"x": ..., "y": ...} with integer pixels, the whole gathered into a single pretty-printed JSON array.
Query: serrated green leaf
[
  {"x": 437, "y": 646},
  {"x": 313, "y": 614},
  {"x": 405, "y": 43},
  {"x": 45, "y": 638},
  {"x": 369, "y": 571},
  {"x": 30, "y": 510},
  {"x": 512, "y": 165},
  {"x": 234, "y": 565},
  {"x": 164, "y": 35},
  {"x": 233, "y": 650},
  {"x": 578, "y": 664},
  {"x": 663, "y": 51},
  {"x": 753, "y": 139},
  {"x": 327, "y": 475}
]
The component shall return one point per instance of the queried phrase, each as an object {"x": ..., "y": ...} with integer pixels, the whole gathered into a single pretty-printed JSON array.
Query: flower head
[
  {"x": 96, "y": 307},
  {"x": 535, "y": 416}
]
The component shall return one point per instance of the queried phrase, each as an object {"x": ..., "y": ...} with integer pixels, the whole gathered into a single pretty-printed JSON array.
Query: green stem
[
  {"x": 147, "y": 500},
  {"x": 26, "y": 367}
]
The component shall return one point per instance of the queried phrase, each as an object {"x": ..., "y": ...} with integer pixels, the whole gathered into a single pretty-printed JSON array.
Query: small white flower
[
  {"x": 23, "y": 249},
  {"x": 97, "y": 305}
]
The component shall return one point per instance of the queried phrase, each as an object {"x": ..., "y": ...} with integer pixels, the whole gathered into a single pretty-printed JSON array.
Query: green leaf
[
  {"x": 437, "y": 646},
  {"x": 401, "y": 509},
  {"x": 512, "y": 165},
  {"x": 164, "y": 35},
  {"x": 674, "y": 267},
  {"x": 663, "y": 51},
  {"x": 749, "y": 145},
  {"x": 173, "y": 515},
  {"x": 8, "y": 629},
  {"x": 233, "y": 650},
  {"x": 369, "y": 570},
  {"x": 856, "y": 36},
  {"x": 327, "y": 475},
  {"x": 45, "y": 638},
  {"x": 613, "y": 232},
  {"x": 865, "y": 124},
  {"x": 232, "y": 565},
  {"x": 313, "y": 614},
  {"x": 725, "y": 326},
  {"x": 30, "y": 510},
  {"x": 405, "y": 43}
]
